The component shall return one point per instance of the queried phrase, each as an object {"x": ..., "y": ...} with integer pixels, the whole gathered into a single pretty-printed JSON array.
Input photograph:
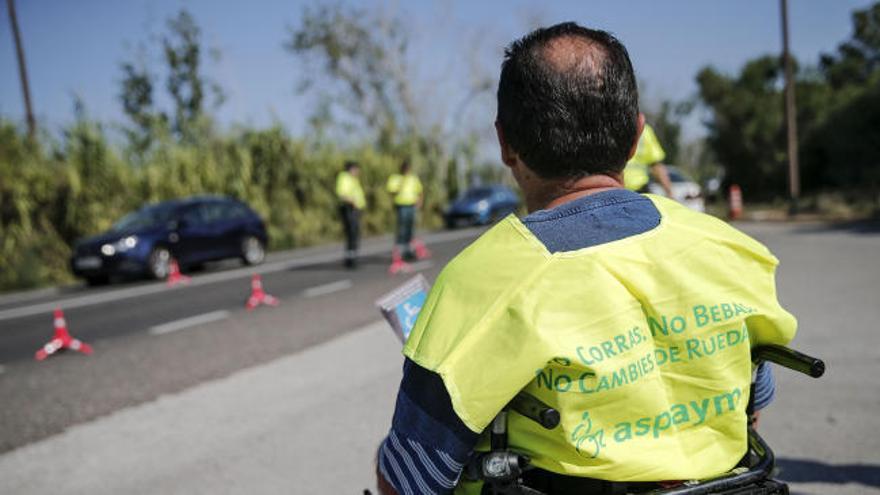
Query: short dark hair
[
  {"x": 351, "y": 164},
  {"x": 405, "y": 166},
  {"x": 572, "y": 118}
]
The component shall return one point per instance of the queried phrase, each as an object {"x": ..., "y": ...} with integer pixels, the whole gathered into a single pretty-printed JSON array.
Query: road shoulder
[{"x": 307, "y": 423}]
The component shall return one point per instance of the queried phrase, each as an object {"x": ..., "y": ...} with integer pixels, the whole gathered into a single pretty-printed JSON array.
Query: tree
[
  {"x": 362, "y": 56},
  {"x": 182, "y": 50},
  {"x": 746, "y": 124},
  {"x": 843, "y": 149},
  {"x": 858, "y": 58},
  {"x": 136, "y": 96},
  {"x": 185, "y": 83},
  {"x": 838, "y": 112}
]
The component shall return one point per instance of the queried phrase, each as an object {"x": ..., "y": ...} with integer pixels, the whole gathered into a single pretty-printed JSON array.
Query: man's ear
[
  {"x": 640, "y": 126},
  {"x": 508, "y": 156}
]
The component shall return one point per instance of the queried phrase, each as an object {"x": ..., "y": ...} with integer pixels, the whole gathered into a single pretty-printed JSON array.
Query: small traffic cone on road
[
  {"x": 174, "y": 275},
  {"x": 422, "y": 251},
  {"x": 736, "y": 202},
  {"x": 61, "y": 340},
  {"x": 258, "y": 295},
  {"x": 397, "y": 263}
]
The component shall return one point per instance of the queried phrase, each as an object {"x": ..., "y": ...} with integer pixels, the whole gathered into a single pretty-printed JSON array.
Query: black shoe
[{"x": 351, "y": 263}]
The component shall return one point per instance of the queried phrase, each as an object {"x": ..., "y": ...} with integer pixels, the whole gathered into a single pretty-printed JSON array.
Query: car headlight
[
  {"x": 125, "y": 244},
  {"x": 120, "y": 246},
  {"x": 482, "y": 205}
]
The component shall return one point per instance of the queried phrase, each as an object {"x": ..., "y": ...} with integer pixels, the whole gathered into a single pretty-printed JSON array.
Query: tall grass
[{"x": 51, "y": 195}]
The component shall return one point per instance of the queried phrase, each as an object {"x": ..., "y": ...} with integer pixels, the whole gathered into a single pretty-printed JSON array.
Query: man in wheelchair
[{"x": 625, "y": 319}]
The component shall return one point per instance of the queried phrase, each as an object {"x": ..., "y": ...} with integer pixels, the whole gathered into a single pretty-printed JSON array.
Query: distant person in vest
[
  {"x": 406, "y": 189},
  {"x": 630, "y": 314},
  {"x": 351, "y": 203},
  {"x": 647, "y": 162}
]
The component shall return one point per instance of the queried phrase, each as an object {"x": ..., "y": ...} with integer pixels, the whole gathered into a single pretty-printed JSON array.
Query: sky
[{"x": 76, "y": 48}]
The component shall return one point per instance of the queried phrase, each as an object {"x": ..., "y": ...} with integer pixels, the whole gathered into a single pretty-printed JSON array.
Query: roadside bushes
[
  {"x": 32, "y": 251},
  {"x": 52, "y": 194}
]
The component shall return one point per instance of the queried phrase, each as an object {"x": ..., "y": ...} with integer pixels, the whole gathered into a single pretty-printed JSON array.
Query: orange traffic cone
[
  {"x": 174, "y": 275},
  {"x": 736, "y": 202},
  {"x": 258, "y": 295},
  {"x": 397, "y": 263},
  {"x": 61, "y": 340},
  {"x": 422, "y": 251}
]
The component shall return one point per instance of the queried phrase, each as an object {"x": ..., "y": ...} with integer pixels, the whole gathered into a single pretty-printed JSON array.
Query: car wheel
[
  {"x": 97, "y": 280},
  {"x": 252, "y": 251},
  {"x": 159, "y": 263}
]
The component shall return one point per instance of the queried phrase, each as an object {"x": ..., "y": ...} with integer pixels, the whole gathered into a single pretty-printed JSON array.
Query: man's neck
[{"x": 556, "y": 193}]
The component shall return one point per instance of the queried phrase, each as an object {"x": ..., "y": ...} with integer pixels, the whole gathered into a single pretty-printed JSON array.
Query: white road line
[
  {"x": 173, "y": 326},
  {"x": 2, "y": 369},
  {"x": 278, "y": 266},
  {"x": 30, "y": 294},
  {"x": 322, "y": 290},
  {"x": 421, "y": 265}
]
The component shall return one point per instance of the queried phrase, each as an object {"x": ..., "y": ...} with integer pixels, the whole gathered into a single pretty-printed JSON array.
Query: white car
[{"x": 684, "y": 189}]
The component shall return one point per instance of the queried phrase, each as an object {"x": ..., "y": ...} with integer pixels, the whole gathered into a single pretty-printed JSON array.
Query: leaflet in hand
[{"x": 402, "y": 305}]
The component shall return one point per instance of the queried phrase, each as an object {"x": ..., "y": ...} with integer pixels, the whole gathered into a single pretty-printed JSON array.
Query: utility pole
[
  {"x": 22, "y": 71},
  {"x": 794, "y": 186}
]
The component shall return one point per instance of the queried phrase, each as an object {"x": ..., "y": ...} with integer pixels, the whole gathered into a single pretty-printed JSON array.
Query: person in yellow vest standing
[
  {"x": 351, "y": 203},
  {"x": 630, "y": 314},
  {"x": 406, "y": 189},
  {"x": 647, "y": 162}
]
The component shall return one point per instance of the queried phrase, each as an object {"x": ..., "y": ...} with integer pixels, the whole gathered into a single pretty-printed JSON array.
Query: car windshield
[
  {"x": 148, "y": 216},
  {"x": 478, "y": 193}
]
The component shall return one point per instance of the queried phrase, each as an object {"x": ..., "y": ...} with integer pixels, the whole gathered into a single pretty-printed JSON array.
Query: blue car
[
  {"x": 481, "y": 205},
  {"x": 192, "y": 231}
]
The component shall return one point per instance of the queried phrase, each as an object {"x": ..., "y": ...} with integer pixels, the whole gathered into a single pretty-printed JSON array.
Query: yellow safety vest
[
  {"x": 642, "y": 344},
  {"x": 406, "y": 189},
  {"x": 348, "y": 188},
  {"x": 636, "y": 174}
]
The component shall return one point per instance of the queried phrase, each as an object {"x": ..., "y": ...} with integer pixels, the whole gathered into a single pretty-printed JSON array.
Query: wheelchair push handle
[
  {"x": 789, "y": 358},
  {"x": 539, "y": 412},
  {"x": 532, "y": 408}
]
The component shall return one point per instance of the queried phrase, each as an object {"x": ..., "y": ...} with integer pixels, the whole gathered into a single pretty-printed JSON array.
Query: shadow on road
[
  {"x": 381, "y": 260},
  {"x": 866, "y": 227},
  {"x": 809, "y": 471}
]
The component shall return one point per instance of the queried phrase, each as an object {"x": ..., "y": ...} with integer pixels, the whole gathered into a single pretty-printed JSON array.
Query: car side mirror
[{"x": 177, "y": 224}]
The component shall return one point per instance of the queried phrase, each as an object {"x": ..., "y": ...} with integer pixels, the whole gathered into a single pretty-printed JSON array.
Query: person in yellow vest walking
[
  {"x": 647, "y": 162},
  {"x": 630, "y": 314},
  {"x": 351, "y": 203},
  {"x": 406, "y": 189}
]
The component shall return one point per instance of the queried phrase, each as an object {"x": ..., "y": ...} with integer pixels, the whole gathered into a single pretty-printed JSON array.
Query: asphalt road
[
  {"x": 295, "y": 398},
  {"x": 136, "y": 359},
  {"x": 96, "y": 314}
]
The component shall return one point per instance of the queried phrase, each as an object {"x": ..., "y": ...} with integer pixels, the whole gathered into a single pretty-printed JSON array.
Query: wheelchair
[{"x": 506, "y": 472}]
